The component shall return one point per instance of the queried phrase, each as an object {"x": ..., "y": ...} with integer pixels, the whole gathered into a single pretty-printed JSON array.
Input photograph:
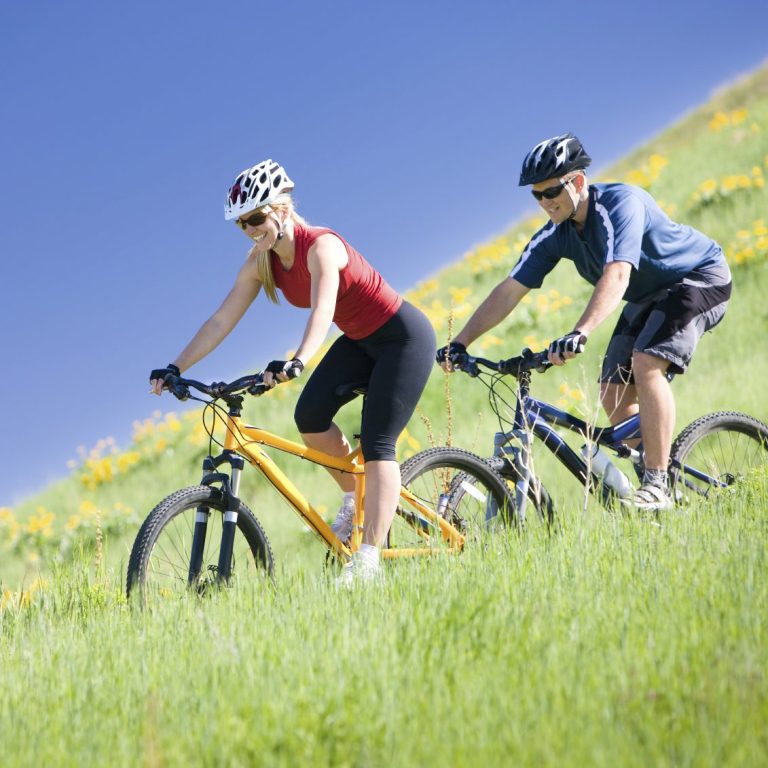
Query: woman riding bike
[{"x": 386, "y": 342}]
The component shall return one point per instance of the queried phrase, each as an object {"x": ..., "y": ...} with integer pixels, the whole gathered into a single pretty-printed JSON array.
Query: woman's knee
[
  {"x": 310, "y": 419},
  {"x": 379, "y": 447}
]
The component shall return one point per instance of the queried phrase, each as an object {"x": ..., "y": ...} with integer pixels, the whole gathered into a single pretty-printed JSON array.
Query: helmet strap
[
  {"x": 574, "y": 196},
  {"x": 281, "y": 226}
]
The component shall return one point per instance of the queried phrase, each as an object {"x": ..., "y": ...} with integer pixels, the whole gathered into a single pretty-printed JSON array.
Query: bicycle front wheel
[
  {"x": 717, "y": 452},
  {"x": 454, "y": 485},
  {"x": 162, "y": 562}
]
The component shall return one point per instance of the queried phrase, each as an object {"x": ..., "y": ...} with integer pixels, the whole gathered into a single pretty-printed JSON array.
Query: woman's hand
[
  {"x": 281, "y": 370},
  {"x": 158, "y": 376}
]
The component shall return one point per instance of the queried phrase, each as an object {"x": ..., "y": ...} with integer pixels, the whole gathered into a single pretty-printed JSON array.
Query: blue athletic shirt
[{"x": 624, "y": 223}]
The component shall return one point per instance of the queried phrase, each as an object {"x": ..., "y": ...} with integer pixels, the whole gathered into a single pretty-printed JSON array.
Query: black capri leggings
[{"x": 395, "y": 360}]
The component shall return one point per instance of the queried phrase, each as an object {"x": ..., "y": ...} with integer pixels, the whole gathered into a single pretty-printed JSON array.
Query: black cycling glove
[
  {"x": 571, "y": 342},
  {"x": 161, "y": 373},
  {"x": 291, "y": 368},
  {"x": 449, "y": 350}
]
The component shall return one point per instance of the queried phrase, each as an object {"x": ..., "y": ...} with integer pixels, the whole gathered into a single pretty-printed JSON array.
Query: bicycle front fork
[
  {"x": 518, "y": 456},
  {"x": 230, "y": 486}
]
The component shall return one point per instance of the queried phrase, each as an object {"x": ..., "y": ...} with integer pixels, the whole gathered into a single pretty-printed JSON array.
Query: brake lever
[
  {"x": 258, "y": 387},
  {"x": 178, "y": 390},
  {"x": 466, "y": 364}
]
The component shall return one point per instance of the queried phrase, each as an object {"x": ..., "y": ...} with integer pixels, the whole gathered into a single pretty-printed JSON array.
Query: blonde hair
[{"x": 281, "y": 204}]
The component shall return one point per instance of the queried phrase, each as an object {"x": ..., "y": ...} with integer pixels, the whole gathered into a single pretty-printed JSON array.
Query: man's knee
[{"x": 645, "y": 364}]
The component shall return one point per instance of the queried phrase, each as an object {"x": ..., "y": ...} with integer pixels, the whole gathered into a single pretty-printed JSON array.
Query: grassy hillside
[
  {"x": 615, "y": 642},
  {"x": 708, "y": 170}
]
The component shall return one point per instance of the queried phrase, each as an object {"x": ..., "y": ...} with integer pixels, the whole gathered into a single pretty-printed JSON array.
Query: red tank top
[{"x": 364, "y": 302}]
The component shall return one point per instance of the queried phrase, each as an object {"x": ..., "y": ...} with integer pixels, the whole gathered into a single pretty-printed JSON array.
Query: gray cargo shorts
[{"x": 669, "y": 325}]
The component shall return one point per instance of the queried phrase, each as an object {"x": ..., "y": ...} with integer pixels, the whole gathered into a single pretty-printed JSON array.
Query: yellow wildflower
[
  {"x": 532, "y": 342},
  {"x": 738, "y": 116},
  {"x": 718, "y": 122},
  {"x": 639, "y": 179},
  {"x": 41, "y": 522}
]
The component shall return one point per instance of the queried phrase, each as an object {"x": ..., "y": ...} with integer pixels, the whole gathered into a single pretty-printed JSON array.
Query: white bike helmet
[
  {"x": 553, "y": 158},
  {"x": 256, "y": 187}
]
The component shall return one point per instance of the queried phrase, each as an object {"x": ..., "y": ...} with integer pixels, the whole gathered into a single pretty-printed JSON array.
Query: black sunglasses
[
  {"x": 550, "y": 193},
  {"x": 254, "y": 220}
]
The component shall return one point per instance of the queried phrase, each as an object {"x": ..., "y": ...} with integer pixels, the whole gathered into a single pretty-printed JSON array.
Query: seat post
[{"x": 358, "y": 519}]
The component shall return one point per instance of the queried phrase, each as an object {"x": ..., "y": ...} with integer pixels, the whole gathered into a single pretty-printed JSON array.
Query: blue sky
[{"x": 402, "y": 123}]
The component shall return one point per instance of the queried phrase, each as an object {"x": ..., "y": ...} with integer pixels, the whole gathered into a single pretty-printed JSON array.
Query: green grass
[{"x": 614, "y": 642}]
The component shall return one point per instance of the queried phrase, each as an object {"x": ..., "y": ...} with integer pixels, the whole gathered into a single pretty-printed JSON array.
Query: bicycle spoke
[
  {"x": 161, "y": 556},
  {"x": 718, "y": 452}
]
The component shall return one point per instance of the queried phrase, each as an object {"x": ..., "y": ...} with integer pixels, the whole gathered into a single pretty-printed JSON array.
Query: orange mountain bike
[{"x": 205, "y": 535}]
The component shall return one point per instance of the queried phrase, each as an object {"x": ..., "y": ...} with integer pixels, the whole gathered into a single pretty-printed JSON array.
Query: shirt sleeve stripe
[
  {"x": 603, "y": 211},
  {"x": 543, "y": 235}
]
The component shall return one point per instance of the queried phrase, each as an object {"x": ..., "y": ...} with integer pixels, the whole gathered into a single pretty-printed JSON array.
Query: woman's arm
[
  {"x": 224, "y": 319},
  {"x": 325, "y": 259}
]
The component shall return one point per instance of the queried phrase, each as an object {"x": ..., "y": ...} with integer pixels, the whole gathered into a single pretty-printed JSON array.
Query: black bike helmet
[{"x": 553, "y": 158}]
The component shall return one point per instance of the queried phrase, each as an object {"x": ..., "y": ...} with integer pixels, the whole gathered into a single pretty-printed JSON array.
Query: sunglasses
[
  {"x": 255, "y": 219},
  {"x": 550, "y": 193}
]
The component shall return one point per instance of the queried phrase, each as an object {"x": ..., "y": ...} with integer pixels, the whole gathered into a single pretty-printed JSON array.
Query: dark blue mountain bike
[{"x": 713, "y": 453}]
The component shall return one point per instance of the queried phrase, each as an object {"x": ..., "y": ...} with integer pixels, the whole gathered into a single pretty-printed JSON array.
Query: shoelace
[{"x": 343, "y": 522}]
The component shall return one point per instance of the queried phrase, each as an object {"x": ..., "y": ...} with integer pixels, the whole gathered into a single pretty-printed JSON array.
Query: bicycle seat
[{"x": 352, "y": 388}]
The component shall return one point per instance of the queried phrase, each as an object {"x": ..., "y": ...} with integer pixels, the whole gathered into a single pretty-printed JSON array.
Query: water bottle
[{"x": 603, "y": 468}]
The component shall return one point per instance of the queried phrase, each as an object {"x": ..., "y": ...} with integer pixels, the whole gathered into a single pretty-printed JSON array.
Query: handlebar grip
[
  {"x": 178, "y": 390},
  {"x": 465, "y": 363}
]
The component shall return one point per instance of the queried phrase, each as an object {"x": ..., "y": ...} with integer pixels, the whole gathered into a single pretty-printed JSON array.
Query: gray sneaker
[
  {"x": 342, "y": 525},
  {"x": 651, "y": 498}
]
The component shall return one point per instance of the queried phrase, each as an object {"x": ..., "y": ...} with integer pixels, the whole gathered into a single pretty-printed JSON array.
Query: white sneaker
[
  {"x": 361, "y": 569},
  {"x": 342, "y": 525},
  {"x": 651, "y": 498}
]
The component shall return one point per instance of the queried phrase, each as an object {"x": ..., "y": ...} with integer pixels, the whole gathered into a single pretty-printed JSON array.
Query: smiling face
[
  {"x": 556, "y": 200},
  {"x": 559, "y": 196},
  {"x": 262, "y": 226}
]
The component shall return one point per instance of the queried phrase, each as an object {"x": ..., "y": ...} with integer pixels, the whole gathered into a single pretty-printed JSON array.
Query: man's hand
[
  {"x": 566, "y": 347},
  {"x": 445, "y": 355}
]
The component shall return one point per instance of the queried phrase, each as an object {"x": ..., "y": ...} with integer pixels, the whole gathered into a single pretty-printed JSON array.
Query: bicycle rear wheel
[
  {"x": 159, "y": 565},
  {"x": 457, "y": 486},
  {"x": 716, "y": 453}
]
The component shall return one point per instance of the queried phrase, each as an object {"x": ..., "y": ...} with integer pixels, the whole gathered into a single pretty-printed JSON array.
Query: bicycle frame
[
  {"x": 244, "y": 442},
  {"x": 535, "y": 419}
]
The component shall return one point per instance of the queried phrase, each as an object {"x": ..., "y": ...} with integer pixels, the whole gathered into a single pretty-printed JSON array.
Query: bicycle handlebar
[
  {"x": 513, "y": 366},
  {"x": 179, "y": 387}
]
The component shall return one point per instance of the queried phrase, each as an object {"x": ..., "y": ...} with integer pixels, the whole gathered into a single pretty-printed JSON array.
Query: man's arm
[
  {"x": 497, "y": 305},
  {"x": 607, "y": 295}
]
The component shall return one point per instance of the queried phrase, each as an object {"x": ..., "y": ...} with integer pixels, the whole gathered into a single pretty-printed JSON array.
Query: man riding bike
[{"x": 674, "y": 279}]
